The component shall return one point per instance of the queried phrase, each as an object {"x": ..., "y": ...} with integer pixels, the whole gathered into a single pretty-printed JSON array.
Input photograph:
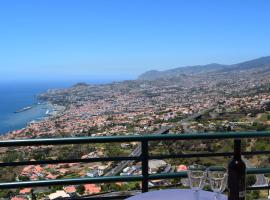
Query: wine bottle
[{"x": 237, "y": 174}]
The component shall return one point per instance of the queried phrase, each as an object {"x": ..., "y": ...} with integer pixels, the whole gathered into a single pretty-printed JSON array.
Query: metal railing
[{"x": 145, "y": 177}]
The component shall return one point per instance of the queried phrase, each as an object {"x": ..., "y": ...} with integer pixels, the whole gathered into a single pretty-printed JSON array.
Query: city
[{"x": 177, "y": 105}]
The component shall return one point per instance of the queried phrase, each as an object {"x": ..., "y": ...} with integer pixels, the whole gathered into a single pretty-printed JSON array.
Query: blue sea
[{"x": 18, "y": 95}]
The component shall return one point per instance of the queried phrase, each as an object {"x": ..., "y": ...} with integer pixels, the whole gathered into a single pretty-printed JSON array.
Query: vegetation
[
  {"x": 113, "y": 150},
  {"x": 166, "y": 147},
  {"x": 81, "y": 189},
  {"x": 120, "y": 187},
  {"x": 6, "y": 194}
]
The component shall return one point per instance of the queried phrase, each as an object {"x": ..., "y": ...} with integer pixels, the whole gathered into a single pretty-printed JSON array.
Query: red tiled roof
[
  {"x": 25, "y": 191},
  {"x": 18, "y": 198},
  {"x": 70, "y": 189},
  {"x": 92, "y": 188},
  {"x": 50, "y": 176},
  {"x": 182, "y": 168}
]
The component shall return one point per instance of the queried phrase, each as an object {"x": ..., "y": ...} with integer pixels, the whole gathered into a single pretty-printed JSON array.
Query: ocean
[{"x": 17, "y": 95}]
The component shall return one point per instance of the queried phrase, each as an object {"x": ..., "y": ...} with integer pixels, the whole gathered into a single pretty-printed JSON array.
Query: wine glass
[
  {"x": 218, "y": 178},
  {"x": 197, "y": 176}
]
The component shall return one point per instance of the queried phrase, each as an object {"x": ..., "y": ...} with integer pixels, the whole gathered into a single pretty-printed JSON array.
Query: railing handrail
[
  {"x": 109, "y": 179},
  {"x": 143, "y": 157},
  {"x": 133, "y": 138}
]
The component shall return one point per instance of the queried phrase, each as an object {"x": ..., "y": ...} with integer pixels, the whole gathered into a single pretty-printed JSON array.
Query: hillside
[{"x": 257, "y": 65}]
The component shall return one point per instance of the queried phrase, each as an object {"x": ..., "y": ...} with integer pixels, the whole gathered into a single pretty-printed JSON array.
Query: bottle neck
[{"x": 237, "y": 149}]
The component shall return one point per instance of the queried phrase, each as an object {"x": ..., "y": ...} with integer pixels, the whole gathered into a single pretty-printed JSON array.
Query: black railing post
[{"x": 144, "y": 157}]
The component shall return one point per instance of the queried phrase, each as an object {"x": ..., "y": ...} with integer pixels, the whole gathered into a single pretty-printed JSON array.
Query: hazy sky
[{"x": 119, "y": 39}]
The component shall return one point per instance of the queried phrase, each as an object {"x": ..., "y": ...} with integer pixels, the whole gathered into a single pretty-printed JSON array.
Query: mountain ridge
[{"x": 262, "y": 63}]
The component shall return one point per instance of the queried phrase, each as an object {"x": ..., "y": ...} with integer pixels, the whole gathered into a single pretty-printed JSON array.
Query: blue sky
[{"x": 88, "y": 40}]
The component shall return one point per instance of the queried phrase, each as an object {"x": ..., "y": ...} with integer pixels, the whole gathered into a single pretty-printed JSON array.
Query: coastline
[{"x": 49, "y": 111}]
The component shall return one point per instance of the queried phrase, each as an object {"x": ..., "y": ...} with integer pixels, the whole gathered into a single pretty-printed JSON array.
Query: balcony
[{"x": 140, "y": 154}]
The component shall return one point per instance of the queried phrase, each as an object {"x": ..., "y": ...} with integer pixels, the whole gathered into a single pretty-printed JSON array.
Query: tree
[
  {"x": 34, "y": 197},
  {"x": 253, "y": 195},
  {"x": 10, "y": 156},
  {"x": 92, "y": 130},
  {"x": 110, "y": 187},
  {"x": 259, "y": 126},
  {"x": 251, "y": 179},
  {"x": 81, "y": 189},
  {"x": 6, "y": 194},
  {"x": 113, "y": 150},
  {"x": 24, "y": 178},
  {"x": 56, "y": 187}
]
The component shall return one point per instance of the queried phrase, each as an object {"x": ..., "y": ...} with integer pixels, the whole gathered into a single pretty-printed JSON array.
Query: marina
[{"x": 21, "y": 118}]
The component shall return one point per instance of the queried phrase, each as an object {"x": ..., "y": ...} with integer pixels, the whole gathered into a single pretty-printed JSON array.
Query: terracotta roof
[
  {"x": 18, "y": 198},
  {"x": 70, "y": 189},
  {"x": 92, "y": 188},
  {"x": 182, "y": 168},
  {"x": 50, "y": 176},
  {"x": 25, "y": 191}
]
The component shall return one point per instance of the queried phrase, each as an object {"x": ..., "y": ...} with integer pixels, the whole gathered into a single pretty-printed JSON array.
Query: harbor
[{"x": 22, "y": 117}]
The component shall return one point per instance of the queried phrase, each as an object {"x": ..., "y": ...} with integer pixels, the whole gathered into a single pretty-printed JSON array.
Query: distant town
[{"x": 212, "y": 98}]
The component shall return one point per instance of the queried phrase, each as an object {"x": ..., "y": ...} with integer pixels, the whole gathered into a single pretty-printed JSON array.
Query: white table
[{"x": 176, "y": 194}]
